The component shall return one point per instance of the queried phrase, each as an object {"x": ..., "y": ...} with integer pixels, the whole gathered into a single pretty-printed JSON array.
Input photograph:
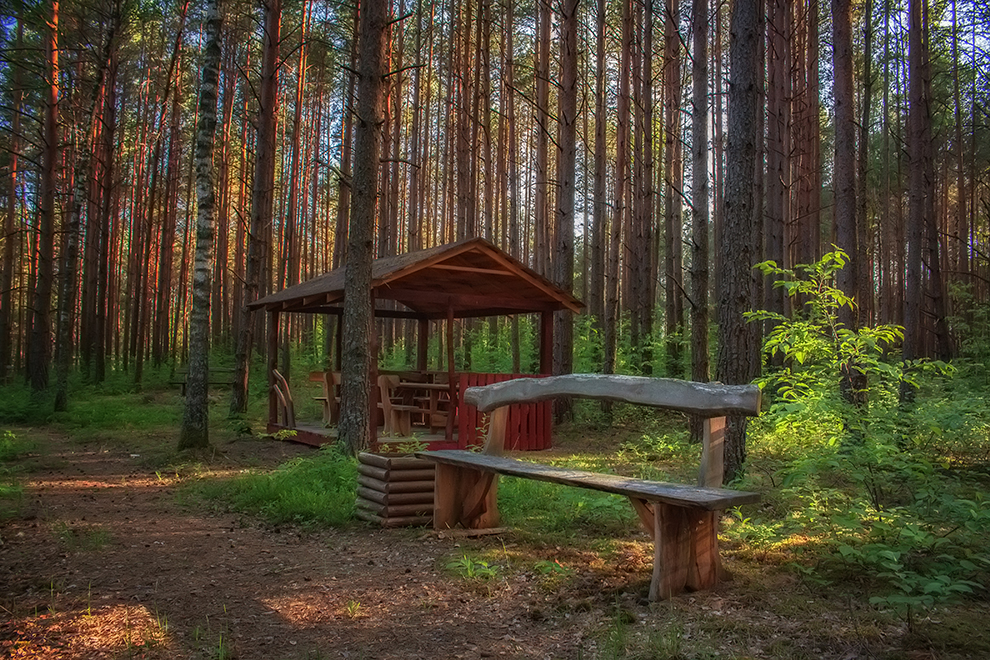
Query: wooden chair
[
  {"x": 398, "y": 416},
  {"x": 284, "y": 396},
  {"x": 330, "y": 380}
]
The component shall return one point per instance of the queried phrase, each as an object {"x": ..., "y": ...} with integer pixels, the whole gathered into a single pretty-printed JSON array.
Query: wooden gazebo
[{"x": 469, "y": 278}]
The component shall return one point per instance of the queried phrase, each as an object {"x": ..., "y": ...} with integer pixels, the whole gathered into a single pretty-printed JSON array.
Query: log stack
[{"x": 395, "y": 490}]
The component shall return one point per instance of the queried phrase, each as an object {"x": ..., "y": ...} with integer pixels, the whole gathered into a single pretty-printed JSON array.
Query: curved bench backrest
[
  {"x": 711, "y": 401},
  {"x": 702, "y": 399}
]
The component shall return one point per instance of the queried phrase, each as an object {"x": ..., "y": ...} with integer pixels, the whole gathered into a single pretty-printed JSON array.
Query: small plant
[
  {"x": 352, "y": 609},
  {"x": 224, "y": 652},
  {"x": 89, "y": 539},
  {"x": 551, "y": 567},
  {"x": 473, "y": 569},
  {"x": 407, "y": 447}
]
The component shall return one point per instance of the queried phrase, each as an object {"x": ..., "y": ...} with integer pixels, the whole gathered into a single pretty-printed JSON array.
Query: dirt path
[{"x": 106, "y": 562}]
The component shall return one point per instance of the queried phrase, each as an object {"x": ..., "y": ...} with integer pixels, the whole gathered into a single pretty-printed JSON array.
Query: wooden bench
[
  {"x": 216, "y": 377},
  {"x": 398, "y": 415},
  {"x": 682, "y": 520}
]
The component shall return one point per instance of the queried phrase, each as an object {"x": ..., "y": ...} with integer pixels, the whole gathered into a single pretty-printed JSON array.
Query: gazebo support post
[
  {"x": 422, "y": 343},
  {"x": 375, "y": 394},
  {"x": 339, "y": 340},
  {"x": 454, "y": 403},
  {"x": 546, "y": 342},
  {"x": 272, "y": 366}
]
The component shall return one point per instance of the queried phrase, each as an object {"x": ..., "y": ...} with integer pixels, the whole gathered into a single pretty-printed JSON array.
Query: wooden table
[{"x": 434, "y": 390}]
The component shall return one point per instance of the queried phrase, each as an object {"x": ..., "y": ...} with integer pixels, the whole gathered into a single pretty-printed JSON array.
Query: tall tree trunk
[
  {"x": 919, "y": 133},
  {"x": 10, "y": 234},
  {"x": 85, "y": 146},
  {"x": 356, "y": 367},
  {"x": 647, "y": 224},
  {"x": 563, "y": 258},
  {"x": 261, "y": 202},
  {"x": 735, "y": 297},
  {"x": 699, "y": 200},
  {"x": 40, "y": 346},
  {"x": 220, "y": 301},
  {"x": 864, "y": 275},
  {"x": 619, "y": 210},
  {"x": 599, "y": 246},
  {"x": 844, "y": 163},
  {"x": 195, "y": 431},
  {"x": 673, "y": 176},
  {"x": 778, "y": 207}
]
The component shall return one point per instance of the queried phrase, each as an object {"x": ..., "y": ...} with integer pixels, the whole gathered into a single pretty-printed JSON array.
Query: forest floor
[{"x": 108, "y": 557}]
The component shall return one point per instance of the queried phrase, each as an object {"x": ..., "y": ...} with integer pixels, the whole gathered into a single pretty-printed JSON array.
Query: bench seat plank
[{"x": 709, "y": 499}]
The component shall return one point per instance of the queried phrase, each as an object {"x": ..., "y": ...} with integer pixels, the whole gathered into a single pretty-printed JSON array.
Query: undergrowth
[
  {"x": 11, "y": 491},
  {"x": 862, "y": 491},
  {"x": 305, "y": 491}
]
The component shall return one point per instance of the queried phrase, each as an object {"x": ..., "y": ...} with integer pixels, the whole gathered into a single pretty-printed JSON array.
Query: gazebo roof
[{"x": 472, "y": 277}]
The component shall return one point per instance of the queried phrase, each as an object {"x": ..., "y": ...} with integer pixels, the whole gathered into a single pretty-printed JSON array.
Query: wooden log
[
  {"x": 446, "y": 506},
  {"x": 399, "y": 462},
  {"x": 400, "y": 521},
  {"x": 712, "y": 470},
  {"x": 393, "y": 510},
  {"x": 395, "y": 475},
  {"x": 422, "y": 486},
  {"x": 702, "y": 399},
  {"x": 464, "y": 496},
  {"x": 685, "y": 553},
  {"x": 424, "y": 497},
  {"x": 644, "y": 510}
]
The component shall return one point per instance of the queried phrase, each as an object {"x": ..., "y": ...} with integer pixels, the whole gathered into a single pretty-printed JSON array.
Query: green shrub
[{"x": 878, "y": 492}]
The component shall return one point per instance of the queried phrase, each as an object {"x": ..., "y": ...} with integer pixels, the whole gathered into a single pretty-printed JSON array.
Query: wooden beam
[
  {"x": 465, "y": 302},
  {"x": 272, "y": 365},
  {"x": 422, "y": 343},
  {"x": 473, "y": 269},
  {"x": 454, "y": 393},
  {"x": 712, "y": 470},
  {"x": 703, "y": 399}
]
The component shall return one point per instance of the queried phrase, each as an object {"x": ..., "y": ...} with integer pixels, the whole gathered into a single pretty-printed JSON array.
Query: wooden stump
[{"x": 395, "y": 490}]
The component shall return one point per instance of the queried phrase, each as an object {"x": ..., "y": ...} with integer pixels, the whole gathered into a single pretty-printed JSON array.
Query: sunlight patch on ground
[{"x": 110, "y": 631}]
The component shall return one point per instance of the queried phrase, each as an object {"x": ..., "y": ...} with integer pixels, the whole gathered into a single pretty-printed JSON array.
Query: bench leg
[
  {"x": 466, "y": 497},
  {"x": 685, "y": 555}
]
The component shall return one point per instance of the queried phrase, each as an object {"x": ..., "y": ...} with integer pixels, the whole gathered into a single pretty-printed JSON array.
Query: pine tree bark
[
  {"x": 919, "y": 133},
  {"x": 699, "y": 200},
  {"x": 673, "y": 177},
  {"x": 86, "y": 145},
  {"x": 619, "y": 208},
  {"x": 865, "y": 293},
  {"x": 356, "y": 367},
  {"x": 599, "y": 247},
  {"x": 10, "y": 236},
  {"x": 563, "y": 258},
  {"x": 39, "y": 358},
  {"x": 195, "y": 431},
  {"x": 261, "y": 203},
  {"x": 779, "y": 126},
  {"x": 844, "y": 163},
  {"x": 735, "y": 297}
]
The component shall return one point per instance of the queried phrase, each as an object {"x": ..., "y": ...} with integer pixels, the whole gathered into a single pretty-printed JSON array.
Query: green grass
[
  {"x": 81, "y": 539},
  {"x": 11, "y": 492},
  {"x": 305, "y": 491}
]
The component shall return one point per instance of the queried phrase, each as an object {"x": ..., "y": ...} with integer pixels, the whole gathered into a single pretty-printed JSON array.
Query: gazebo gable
[{"x": 468, "y": 278}]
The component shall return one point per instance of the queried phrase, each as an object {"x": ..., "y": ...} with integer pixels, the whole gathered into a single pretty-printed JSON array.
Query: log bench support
[{"x": 681, "y": 520}]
